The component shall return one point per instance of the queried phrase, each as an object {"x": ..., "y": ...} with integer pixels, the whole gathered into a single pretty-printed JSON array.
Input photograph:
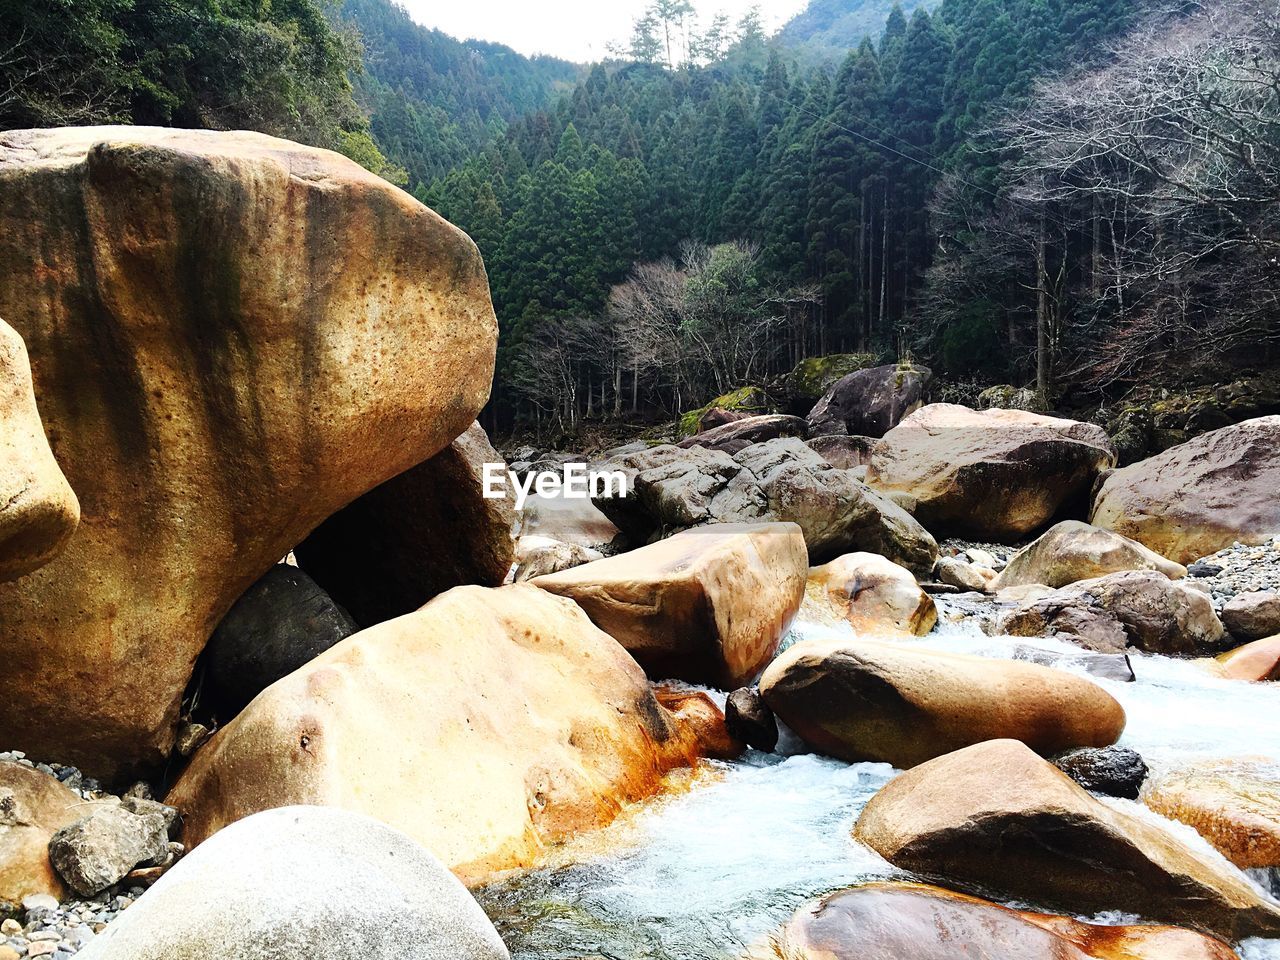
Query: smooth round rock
[{"x": 302, "y": 882}]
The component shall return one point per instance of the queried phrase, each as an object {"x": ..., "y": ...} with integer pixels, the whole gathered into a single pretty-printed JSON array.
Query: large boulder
[
  {"x": 783, "y": 480},
  {"x": 1199, "y": 497},
  {"x": 992, "y": 474},
  {"x": 304, "y": 882},
  {"x": 1253, "y": 616},
  {"x": 870, "y": 403},
  {"x": 485, "y": 725},
  {"x": 33, "y": 807},
  {"x": 862, "y": 700},
  {"x": 796, "y": 391},
  {"x": 736, "y": 404},
  {"x": 705, "y": 606},
  {"x": 739, "y": 434},
  {"x": 281, "y": 623},
  {"x": 231, "y": 338},
  {"x": 1137, "y": 608},
  {"x": 895, "y": 921},
  {"x": 40, "y": 510},
  {"x": 419, "y": 534},
  {"x": 998, "y": 817},
  {"x": 844, "y": 452},
  {"x": 1232, "y": 803},
  {"x": 1071, "y": 551},
  {"x": 873, "y": 594}
]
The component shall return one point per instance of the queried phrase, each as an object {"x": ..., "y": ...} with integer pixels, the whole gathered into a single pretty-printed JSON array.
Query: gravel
[
  {"x": 40, "y": 927},
  {"x": 1242, "y": 569}
]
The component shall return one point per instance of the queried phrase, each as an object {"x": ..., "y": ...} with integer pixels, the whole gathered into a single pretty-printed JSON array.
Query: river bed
[{"x": 730, "y": 852}]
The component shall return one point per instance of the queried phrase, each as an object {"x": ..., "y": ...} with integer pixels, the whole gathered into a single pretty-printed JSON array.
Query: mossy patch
[
  {"x": 744, "y": 399},
  {"x": 814, "y": 376}
]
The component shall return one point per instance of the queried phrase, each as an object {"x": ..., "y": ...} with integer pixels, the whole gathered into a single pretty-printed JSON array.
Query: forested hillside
[
  {"x": 278, "y": 68},
  {"x": 830, "y": 28},
  {"x": 824, "y": 181},
  {"x": 435, "y": 100}
]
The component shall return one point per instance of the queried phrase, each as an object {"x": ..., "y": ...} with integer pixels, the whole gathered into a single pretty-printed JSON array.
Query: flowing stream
[{"x": 729, "y": 853}]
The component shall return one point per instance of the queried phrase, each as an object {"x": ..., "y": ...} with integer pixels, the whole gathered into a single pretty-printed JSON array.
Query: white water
[{"x": 702, "y": 873}]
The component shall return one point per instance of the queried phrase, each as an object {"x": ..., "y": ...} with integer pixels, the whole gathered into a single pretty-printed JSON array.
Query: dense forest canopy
[{"x": 1071, "y": 194}]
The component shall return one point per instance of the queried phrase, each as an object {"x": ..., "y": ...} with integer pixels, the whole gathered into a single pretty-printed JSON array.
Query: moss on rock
[{"x": 749, "y": 400}]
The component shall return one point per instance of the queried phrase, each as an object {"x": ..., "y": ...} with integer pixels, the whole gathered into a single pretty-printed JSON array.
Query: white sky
[{"x": 572, "y": 29}]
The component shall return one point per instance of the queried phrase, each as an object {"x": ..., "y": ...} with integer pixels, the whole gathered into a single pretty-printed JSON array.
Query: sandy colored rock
[
  {"x": 990, "y": 474},
  {"x": 38, "y": 509},
  {"x": 419, "y": 534},
  {"x": 1232, "y": 803},
  {"x": 1201, "y": 496},
  {"x": 33, "y": 807},
  {"x": 1071, "y": 551},
  {"x": 706, "y": 606},
  {"x": 997, "y": 816},
  {"x": 860, "y": 700},
  {"x": 324, "y": 885},
  {"x": 1255, "y": 661},
  {"x": 966, "y": 576},
  {"x": 1136, "y": 608},
  {"x": 1254, "y": 615},
  {"x": 875, "y": 595},
  {"x": 894, "y": 921},
  {"x": 704, "y": 718},
  {"x": 231, "y": 338},
  {"x": 486, "y": 725}
]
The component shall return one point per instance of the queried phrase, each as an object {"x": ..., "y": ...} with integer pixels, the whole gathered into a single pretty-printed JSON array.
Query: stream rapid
[{"x": 727, "y": 854}]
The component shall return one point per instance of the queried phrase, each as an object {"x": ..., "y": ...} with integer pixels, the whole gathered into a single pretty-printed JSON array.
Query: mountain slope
[{"x": 831, "y": 28}]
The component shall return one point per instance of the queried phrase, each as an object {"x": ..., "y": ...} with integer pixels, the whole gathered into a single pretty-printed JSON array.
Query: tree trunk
[{"x": 1044, "y": 361}]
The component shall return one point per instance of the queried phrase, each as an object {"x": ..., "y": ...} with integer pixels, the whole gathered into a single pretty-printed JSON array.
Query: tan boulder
[
  {"x": 990, "y": 474},
  {"x": 1201, "y": 496},
  {"x": 38, "y": 509},
  {"x": 873, "y": 594},
  {"x": 231, "y": 337},
  {"x": 894, "y": 921},
  {"x": 863, "y": 700},
  {"x": 33, "y": 807},
  {"x": 707, "y": 605},
  {"x": 419, "y": 534},
  {"x": 972, "y": 577},
  {"x": 1255, "y": 661},
  {"x": 1234, "y": 804},
  {"x": 487, "y": 725},
  {"x": 1071, "y": 551},
  {"x": 704, "y": 718},
  {"x": 1136, "y": 608},
  {"x": 998, "y": 817}
]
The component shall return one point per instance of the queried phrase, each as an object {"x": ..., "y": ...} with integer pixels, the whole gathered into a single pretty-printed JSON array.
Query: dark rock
[
  {"x": 99, "y": 850},
  {"x": 749, "y": 719},
  {"x": 1115, "y": 771},
  {"x": 1107, "y": 666},
  {"x": 842, "y": 451},
  {"x": 281, "y": 623},
  {"x": 872, "y": 402},
  {"x": 416, "y": 536},
  {"x": 719, "y": 417},
  {"x": 738, "y": 434},
  {"x": 797, "y": 391},
  {"x": 1203, "y": 570}
]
